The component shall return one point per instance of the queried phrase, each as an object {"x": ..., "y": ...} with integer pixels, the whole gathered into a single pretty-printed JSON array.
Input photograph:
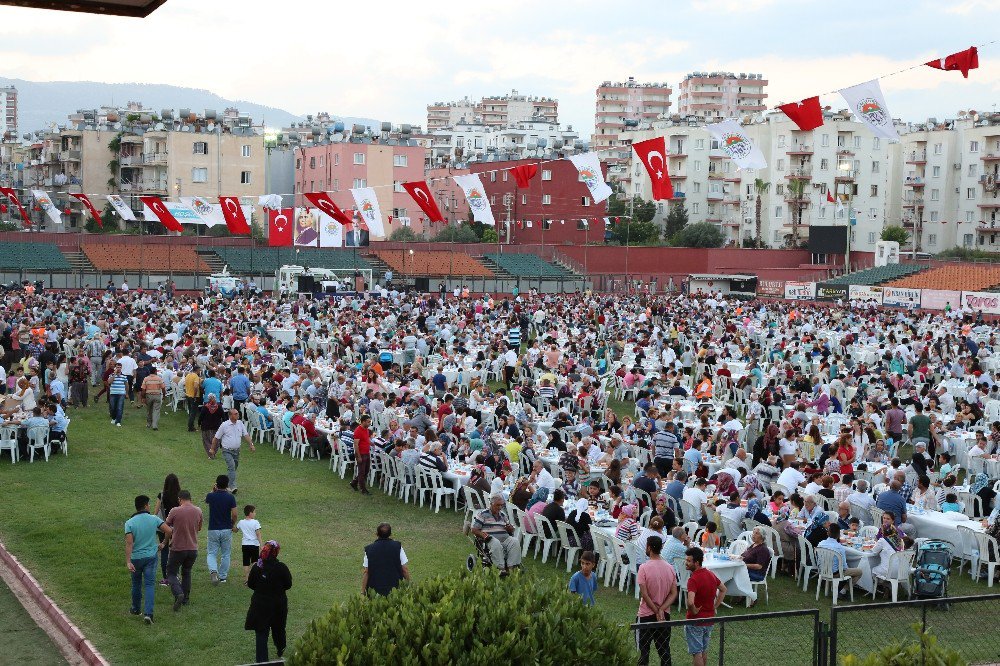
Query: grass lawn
[
  {"x": 23, "y": 641},
  {"x": 64, "y": 520}
]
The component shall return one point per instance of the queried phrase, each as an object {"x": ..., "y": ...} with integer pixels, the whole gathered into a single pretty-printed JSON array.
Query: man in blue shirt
[
  {"x": 892, "y": 500},
  {"x": 221, "y": 518},
  {"x": 832, "y": 542},
  {"x": 240, "y": 384},
  {"x": 141, "y": 548},
  {"x": 211, "y": 385}
]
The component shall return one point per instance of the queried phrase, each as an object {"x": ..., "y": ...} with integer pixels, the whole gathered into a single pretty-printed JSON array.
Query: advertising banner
[
  {"x": 937, "y": 299},
  {"x": 831, "y": 292},
  {"x": 985, "y": 301},
  {"x": 800, "y": 291},
  {"x": 865, "y": 294},
  {"x": 772, "y": 288},
  {"x": 900, "y": 297}
]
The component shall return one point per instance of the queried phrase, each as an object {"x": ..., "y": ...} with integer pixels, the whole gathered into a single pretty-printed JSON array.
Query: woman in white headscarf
[{"x": 579, "y": 519}]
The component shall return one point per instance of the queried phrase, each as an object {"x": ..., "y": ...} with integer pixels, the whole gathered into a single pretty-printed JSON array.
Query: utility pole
[{"x": 509, "y": 201}]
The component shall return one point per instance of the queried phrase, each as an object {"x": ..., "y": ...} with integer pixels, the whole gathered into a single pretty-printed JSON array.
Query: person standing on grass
[
  {"x": 240, "y": 385},
  {"x": 192, "y": 391},
  {"x": 210, "y": 417},
  {"x": 657, "y": 583},
  {"x": 705, "y": 593},
  {"x": 250, "y": 543},
  {"x": 362, "y": 455},
  {"x": 270, "y": 581},
  {"x": 117, "y": 392},
  {"x": 384, "y": 566},
  {"x": 230, "y": 435},
  {"x": 140, "y": 555},
  {"x": 165, "y": 501},
  {"x": 185, "y": 520},
  {"x": 221, "y": 518},
  {"x": 151, "y": 393},
  {"x": 584, "y": 582}
]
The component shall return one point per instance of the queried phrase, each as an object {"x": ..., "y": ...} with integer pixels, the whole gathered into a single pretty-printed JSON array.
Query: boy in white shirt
[{"x": 250, "y": 528}]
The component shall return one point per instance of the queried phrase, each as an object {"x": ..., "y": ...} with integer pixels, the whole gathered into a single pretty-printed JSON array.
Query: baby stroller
[
  {"x": 933, "y": 566},
  {"x": 482, "y": 554}
]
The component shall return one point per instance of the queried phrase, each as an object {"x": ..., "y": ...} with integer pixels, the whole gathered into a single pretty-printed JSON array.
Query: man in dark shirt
[
  {"x": 221, "y": 518},
  {"x": 647, "y": 481},
  {"x": 553, "y": 511}
]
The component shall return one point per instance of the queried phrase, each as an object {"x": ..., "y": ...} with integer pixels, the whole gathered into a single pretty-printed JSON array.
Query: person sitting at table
[
  {"x": 826, "y": 487},
  {"x": 676, "y": 544},
  {"x": 477, "y": 479},
  {"x": 947, "y": 486},
  {"x": 697, "y": 496},
  {"x": 832, "y": 542},
  {"x": 981, "y": 486},
  {"x": 891, "y": 501},
  {"x": 757, "y": 557},
  {"x": 725, "y": 482},
  {"x": 810, "y": 509},
  {"x": 733, "y": 509},
  {"x": 818, "y": 528},
  {"x": 627, "y": 528},
  {"x": 537, "y": 504},
  {"x": 580, "y": 521},
  {"x": 703, "y": 391},
  {"x": 923, "y": 495},
  {"x": 521, "y": 493},
  {"x": 844, "y": 515},
  {"x": 951, "y": 504},
  {"x": 889, "y": 541},
  {"x": 494, "y": 528},
  {"x": 570, "y": 485},
  {"x": 554, "y": 511},
  {"x": 755, "y": 511}
]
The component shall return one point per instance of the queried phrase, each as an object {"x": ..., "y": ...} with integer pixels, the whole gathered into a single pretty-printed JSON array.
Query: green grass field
[
  {"x": 23, "y": 641},
  {"x": 64, "y": 520}
]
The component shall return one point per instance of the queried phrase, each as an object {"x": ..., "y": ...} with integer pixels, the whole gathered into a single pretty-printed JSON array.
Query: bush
[
  {"x": 897, "y": 234},
  {"x": 472, "y": 618},
  {"x": 920, "y": 652},
  {"x": 702, "y": 234},
  {"x": 403, "y": 235}
]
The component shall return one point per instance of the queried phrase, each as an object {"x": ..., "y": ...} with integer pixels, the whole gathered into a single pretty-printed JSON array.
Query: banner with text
[
  {"x": 800, "y": 291},
  {"x": 865, "y": 293},
  {"x": 772, "y": 288},
  {"x": 981, "y": 301},
  {"x": 900, "y": 297},
  {"x": 831, "y": 292},
  {"x": 938, "y": 299}
]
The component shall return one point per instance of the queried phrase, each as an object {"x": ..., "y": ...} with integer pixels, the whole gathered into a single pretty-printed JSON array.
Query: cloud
[{"x": 969, "y": 6}]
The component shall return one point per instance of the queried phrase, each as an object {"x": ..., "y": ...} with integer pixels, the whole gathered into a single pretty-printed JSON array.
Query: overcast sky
[{"x": 388, "y": 59}]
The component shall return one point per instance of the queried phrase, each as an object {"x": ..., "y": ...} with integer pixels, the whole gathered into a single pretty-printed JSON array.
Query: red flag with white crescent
[
  {"x": 233, "y": 212},
  {"x": 421, "y": 193},
  {"x": 323, "y": 201},
  {"x": 279, "y": 226},
  {"x": 523, "y": 173},
  {"x": 165, "y": 217},
  {"x": 85, "y": 200},
  {"x": 653, "y": 155},
  {"x": 12, "y": 196},
  {"x": 807, "y": 114},
  {"x": 962, "y": 61}
]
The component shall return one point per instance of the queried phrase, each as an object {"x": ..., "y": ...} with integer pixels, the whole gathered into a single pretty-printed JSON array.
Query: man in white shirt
[
  {"x": 790, "y": 477},
  {"x": 861, "y": 497},
  {"x": 229, "y": 437},
  {"x": 542, "y": 477},
  {"x": 697, "y": 496},
  {"x": 129, "y": 366}
]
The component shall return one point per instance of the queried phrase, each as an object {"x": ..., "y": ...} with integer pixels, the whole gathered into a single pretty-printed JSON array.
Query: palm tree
[
  {"x": 760, "y": 186},
  {"x": 797, "y": 195}
]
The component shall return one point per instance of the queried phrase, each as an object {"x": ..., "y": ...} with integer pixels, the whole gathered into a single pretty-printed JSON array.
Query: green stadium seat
[
  {"x": 878, "y": 275},
  {"x": 267, "y": 260},
  {"x": 527, "y": 265},
  {"x": 32, "y": 256}
]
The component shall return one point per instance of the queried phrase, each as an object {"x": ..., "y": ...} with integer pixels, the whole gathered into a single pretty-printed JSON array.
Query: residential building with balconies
[
  {"x": 714, "y": 96},
  {"x": 619, "y": 108},
  {"x": 493, "y": 111}
]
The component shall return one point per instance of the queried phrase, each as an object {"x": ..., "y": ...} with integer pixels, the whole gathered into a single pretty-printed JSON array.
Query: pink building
[{"x": 339, "y": 167}]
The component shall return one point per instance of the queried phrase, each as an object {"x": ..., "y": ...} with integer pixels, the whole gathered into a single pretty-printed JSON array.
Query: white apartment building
[
  {"x": 714, "y": 96},
  {"x": 475, "y": 141},
  {"x": 493, "y": 111},
  {"x": 948, "y": 181},
  {"x": 8, "y": 113},
  {"x": 620, "y": 107},
  {"x": 842, "y": 156}
]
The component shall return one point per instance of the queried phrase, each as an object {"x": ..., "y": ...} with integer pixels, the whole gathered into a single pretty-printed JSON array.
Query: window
[
  {"x": 585, "y": 201},
  {"x": 874, "y": 190},
  {"x": 697, "y": 188},
  {"x": 874, "y": 167},
  {"x": 546, "y": 199},
  {"x": 336, "y": 159},
  {"x": 312, "y": 185},
  {"x": 695, "y": 208},
  {"x": 199, "y": 175},
  {"x": 973, "y": 146},
  {"x": 200, "y": 148},
  {"x": 699, "y": 144},
  {"x": 822, "y": 212},
  {"x": 781, "y": 164},
  {"x": 546, "y": 224},
  {"x": 493, "y": 176},
  {"x": 246, "y": 150},
  {"x": 546, "y": 174},
  {"x": 932, "y": 239},
  {"x": 824, "y": 140},
  {"x": 824, "y": 164},
  {"x": 778, "y": 210},
  {"x": 938, "y": 148},
  {"x": 359, "y": 158},
  {"x": 935, "y": 172},
  {"x": 321, "y": 185},
  {"x": 872, "y": 213},
  {"x": 935, "y": 195},
  {"x": 336, "y": 184},
  {"x": 400, "y": 160},
  {"x": 934, "y": 216},
  {"x": 505, "y": 176},
  {"x": 967, "y": 240},
  {"x": 968, "y": 216},
  {"x": 779, "y": 189},
  {"x": 841, "y": 141},
  {"x": 312, "y": 162},
  {"x": 245, "y": 178},
  {"x": 360, "y": 182},
  {"x": 397, "y": 186},
  {"x": 524, "y": 199},
  {"x": 857, "y": 142},
  {"x": 493, "y": 200},
  {"x": 697, "y": 165},
  {"x": 871, "y": 237},
  {"x": 298, "y": 163},
  {"x": 581, "y": 225},
  {"x": 876, "y": 143},
  {"x": 973, "y": 171},
  {"x": 781, "y": 141},
  {"x": 970, "y": 193},
  {"x": 711, "y": 210},
  {"x": 322, "y": 160}
]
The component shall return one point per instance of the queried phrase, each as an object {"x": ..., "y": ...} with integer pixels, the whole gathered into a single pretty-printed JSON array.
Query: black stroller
[{"x": 933, "y": 566}]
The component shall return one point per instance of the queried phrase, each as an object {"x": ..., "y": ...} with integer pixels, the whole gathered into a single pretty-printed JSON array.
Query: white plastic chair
[
  {"x": 569, "y": 551},
  {"x": 807, "y": 561},
  {"x": 682, "y": 580},
  {"x": 989, "y": 555},
  {"x": 300, "y": 443},
  {"x": 738, "y": 547},
  {"x": 38, "y": 438},
  {"x": 754, "y": 584},
  {"x": 825, "y": 559},
  {"x": 900, "y": 568},
  {"x": 8, "y": 442},
  {"x": 969, "y": 551},
  {"x": 439, "y": 490},
  {"x": 868, "y": 532},
  {"x": 547, "y": 536},
  {"x": 691, "y": 512}
]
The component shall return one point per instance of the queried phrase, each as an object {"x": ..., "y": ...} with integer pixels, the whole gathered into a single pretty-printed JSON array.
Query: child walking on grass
[{"x": 250, "y": 527}]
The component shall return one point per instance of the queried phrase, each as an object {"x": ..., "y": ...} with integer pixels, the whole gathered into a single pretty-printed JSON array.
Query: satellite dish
[
  {"x": 211, "y": 127},
  {"x": 159, "y": 127},
  {"x": 117, "y": 126},
  {"x": 337, "y": 138}
]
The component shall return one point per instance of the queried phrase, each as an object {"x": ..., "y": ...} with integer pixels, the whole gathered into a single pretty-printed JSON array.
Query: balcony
[
  {"x": 845, "y": 175},
  {"x": 914, "y": 182},
  {"x": 716, "y": 175},
  {"x": 797, "y": 201},
  {"x": 843, "y": 151},
  {"x": 987, "y": 229},
  {"x": 909, "y": 222},
  {"x": 69, "y": 156},
  {"x": 917, "y": 157},
  {"x": 730, "y": 222},
  {"x": 717, "y": 154},
  {"x": 992, "y": 157},
  {"x": 154, "y": 158},
  {"x": 715, "y": 196},
  {"x": 914, "y": 202},
  {"x": 800, "y": 173},
  {"x": 678, "y": 176},
  {"x": 732, "y": 200},
  {"x": 733, "y": 178},
  {"x": 991, "y": 204},
  {"x": 800, "y": 149}
]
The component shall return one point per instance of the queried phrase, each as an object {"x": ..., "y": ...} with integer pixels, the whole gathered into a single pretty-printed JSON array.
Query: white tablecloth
[
  {"x": 937, "y": 525},
  {"x": 863, "y": 560}
]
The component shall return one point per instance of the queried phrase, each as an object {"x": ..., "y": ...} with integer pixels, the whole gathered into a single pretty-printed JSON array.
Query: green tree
[
  {"x": 403, "y": 235},
  {"x": 760, "y": 187},
  {"x": 897, "y": 234},
  {"x": 701, "y": 234},
  {"x": 109, "y": 222},
  {"x": 456, "y": 234},
  {"x": 490, "y": 236},
  {"x": 530, "y": 620},
  {"x": 635, "y": 233},
  {"x": 797, "y": 196},
  {"x": 676, "y": 220}
]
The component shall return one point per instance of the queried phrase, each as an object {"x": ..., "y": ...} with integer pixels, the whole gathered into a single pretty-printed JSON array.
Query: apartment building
[
  {"x": 714, "y": 96},
  {"x": 949, "y": 175},
  {"x": 465, "y": 142},
  {"x": 842, "y": 156},
  {"x": 621, "y": 107},
  {"x": 8, "y": 113},
  {"x": 493, "y": 111}
]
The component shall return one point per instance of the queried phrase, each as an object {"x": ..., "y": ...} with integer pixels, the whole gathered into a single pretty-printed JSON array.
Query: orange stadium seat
[
  {"x": 963, "y": 277},
  {"x": 433, "y": 262},
  {"x": 109, "y": 258}
]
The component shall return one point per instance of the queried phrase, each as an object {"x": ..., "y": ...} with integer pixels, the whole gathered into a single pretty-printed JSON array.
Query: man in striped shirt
[
  {"x": 514, "y": 336},
  {"x": 118, "y": 389},
  {"x": 151, "y": 393}
]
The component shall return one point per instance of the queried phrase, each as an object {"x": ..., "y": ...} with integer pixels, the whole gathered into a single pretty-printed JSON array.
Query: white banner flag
[
  {"x": 868, "y": 104},
  {"x": 734, "y": 141},
  {"x": 367, "y": 203},
  {"x": 210, "y": 214},
  {"x": 589, "y": 168},
  {"x": 121, "y": 207},
  {"x": 331, "y": 232},
  {"x": 181, "y": 212},
  {"x": 475, "y": 193},
  {"x": 43, "y": 201}
]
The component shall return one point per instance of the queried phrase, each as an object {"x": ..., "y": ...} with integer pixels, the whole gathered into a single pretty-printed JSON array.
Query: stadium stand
[
  {"x": 267, "y": 260},
  {"x": 878, "y": 274},
  {"x": 527, "y": 265},
  {"x": 956, "y": 276},
  {"x": 32, "y": 256},
  {"x": 432, "y": 263},
  {"x": 149, "y": 258}
]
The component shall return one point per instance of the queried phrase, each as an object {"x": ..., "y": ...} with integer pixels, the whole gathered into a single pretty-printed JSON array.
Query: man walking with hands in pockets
[{"x": 230, "y": 436}]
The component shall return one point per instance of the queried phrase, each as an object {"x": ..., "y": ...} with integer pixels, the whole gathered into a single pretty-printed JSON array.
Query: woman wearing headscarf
[
  {"x": 209, "y": 419},
  {"x": 771, "y": 439},
  {"x": 477, "y": 479},
  {"x": 537, "y": 504},
  {"x": 751, "y": 487},
  {"x": 816, "y": 531},
  {"x": 889, "y": 542},
  {"x": 579, "y": 519},
  {"x": 756, "y": 512},
  {"x": 724, "y": 485},
  {"x": 628, "y": 528},
  {"x": 981, "y": 486},
  {"x": 270, "y": 580}
]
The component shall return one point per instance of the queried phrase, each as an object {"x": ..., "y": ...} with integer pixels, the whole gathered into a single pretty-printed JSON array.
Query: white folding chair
[
  {"x": 969, "y": 551},
  {"x": 569, "y": 551},
  {"x": 439, "y": 490},
  {"x": 825, "y": 560},
  {"x": 738, "y": 547},
  {"x": 807, "y": 561},
  {"x": 8, "y": 442},
  {"x": 989, "y": 556},
  {"x": 754, "y": 584},
  {"x": 900, "y": 567},
  {"x": 38, "y": 438},
  {"x": 300, "y": 443},
  {"x": 547, "y": 536}
]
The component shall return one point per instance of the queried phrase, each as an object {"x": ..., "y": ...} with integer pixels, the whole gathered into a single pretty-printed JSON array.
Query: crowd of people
[{"x": 724, "y": 411}]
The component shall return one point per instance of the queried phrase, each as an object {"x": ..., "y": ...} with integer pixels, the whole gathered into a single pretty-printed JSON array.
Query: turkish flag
[
  {"x": 524, "y": 173},
  {"x": 421, "y": 193},
  {"x": 829, "y": 196},
  {"x": 323, "y": 201},
  {"x": 82, "y": 198},
  {"x": 279, "y": 226},
  {"x": 165, "y": 217},
  {"x": 12, "y": 196},
  {"x": 962, "y": 61},
  {"x": 235, "y": 219},
  {"x": 807, "y": 114},
  {"x": 653, "y": 155}
]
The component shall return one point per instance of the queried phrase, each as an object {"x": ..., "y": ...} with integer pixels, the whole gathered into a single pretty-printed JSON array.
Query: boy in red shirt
[
  {"x": 362, "y": 455},
  {"x": 705, "y": 593}
]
